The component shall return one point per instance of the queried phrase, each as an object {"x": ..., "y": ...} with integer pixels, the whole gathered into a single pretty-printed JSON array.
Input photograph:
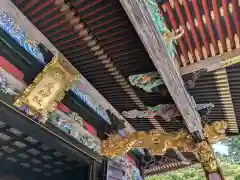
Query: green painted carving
[
  {"x": 169, "y": 37},
  {"x": 149, "y": 82}
]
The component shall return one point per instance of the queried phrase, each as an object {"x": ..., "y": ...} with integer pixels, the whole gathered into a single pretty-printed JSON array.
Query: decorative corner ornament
[{"x": 48, "y": 88}]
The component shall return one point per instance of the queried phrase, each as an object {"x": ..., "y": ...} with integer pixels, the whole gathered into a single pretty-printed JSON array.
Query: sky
[{"x": 221, "y": 148}]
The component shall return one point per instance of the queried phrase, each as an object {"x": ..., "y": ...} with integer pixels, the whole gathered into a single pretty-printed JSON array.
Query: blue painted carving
[
  {"x": 11, "y": 28},
  {"x": 90, "y": 102}
]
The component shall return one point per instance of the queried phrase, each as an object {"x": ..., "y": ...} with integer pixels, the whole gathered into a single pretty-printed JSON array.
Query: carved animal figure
[
  {"x": 168, "y": 36},
  {"x": 159, "y": 142},
  {"x": 216, "y": 131}
]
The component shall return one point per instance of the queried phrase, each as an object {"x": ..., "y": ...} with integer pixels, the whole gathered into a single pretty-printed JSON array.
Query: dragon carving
[{"x": 158, "y": 142}]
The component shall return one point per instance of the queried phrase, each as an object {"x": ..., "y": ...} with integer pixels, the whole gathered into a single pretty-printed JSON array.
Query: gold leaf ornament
[{"x": 48, "y": 89}]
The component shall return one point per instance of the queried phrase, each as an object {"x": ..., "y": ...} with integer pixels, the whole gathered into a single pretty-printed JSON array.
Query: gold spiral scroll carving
[
  {"x": 48, "y": 88},
  {"x": 159, "y": 142}
]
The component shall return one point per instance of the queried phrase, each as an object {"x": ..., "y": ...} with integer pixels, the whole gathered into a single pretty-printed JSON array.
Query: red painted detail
[
  {"x": 218, "y": 24},
  {"x": 44, "y": 14},
  {"x": 67, "y": 41},
  {"x": 96, "y": 11},
  {"x": 78, "y": 2},
  {"x": 110, "y": 28},
  {"x": 193, "y": 30},
  {"x": 54, "y": 25},
  {"x": 103, "y": 16},
  {"x": 62, "y": 107},
  {"x": 61, "y": 30},
  {"x": 175, "y": 27},
  {"x": 29, "y": 5},
  {"x": 228, "y": 23},
  {"x": 41, "y": 7},
  {"x": 11, "y": 69},
  {"x": 90, "y": 128},
  {"x": 132, "y": 161},
  {"x": 19, "y": 1},
  {"x": 106, "y": 22},
  {"x": 89, "y": 5},
  {"x": 236, "y": 15},
  {"x": 63, "y": 35},
  {"x": 122, "y": 43},
  {"x": 49, "y": 20},
  {"x": 113, "y": 40},
  {"x": 186, "y": 33},
  {"x": 201, "y": 27},
  {"x": 209, "y": 25},
  {"x": 72, "y": 45},
  {"x": 113, "y": 34}
]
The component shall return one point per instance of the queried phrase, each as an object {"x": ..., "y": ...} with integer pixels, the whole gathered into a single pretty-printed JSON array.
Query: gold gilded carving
[
  {"x": 156, "y": 141},
  {"x": 206, "y": 156},
  {"x": 159, "y": 142},
  {"x": 48, "y": 89},
  {"x": 216, "y": 131}
]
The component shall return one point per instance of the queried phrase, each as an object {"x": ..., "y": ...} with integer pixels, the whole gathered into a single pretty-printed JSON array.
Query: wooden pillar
[
  {"x": 93, "y": 171},
  {"x": 214, "y": 176},
  {"x": 104, "y": 169},
  {"x": 208, "y": 160}
]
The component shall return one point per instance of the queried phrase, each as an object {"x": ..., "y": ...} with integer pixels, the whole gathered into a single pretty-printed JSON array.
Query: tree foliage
[
  {"x": 229, "y": 163},
  {"x": 233, "y": 150},
  {"x": 230, "y": 171}
]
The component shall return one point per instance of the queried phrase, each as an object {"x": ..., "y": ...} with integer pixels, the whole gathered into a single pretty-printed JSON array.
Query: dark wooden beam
[{"x": 139, "y": 12}]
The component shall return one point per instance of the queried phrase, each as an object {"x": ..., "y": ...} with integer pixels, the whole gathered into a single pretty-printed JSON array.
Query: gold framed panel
[{"x": 48, "y": 88}]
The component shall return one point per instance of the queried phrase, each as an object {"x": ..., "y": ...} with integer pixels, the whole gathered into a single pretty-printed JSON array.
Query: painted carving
[
  {"x": 72, "y": 124},
  {"x": 10, "y": 27},
  {"x": 132, "y": 173},
  {"x": 90, "y": 102},
  {"x": 190, "y": 79},
  {"x": 166, "y": 111},
  {"x": 168, "y": 36},
  {"x": 206, "y": 156},
  {"x": 216, "y": 131},
  {"x": 156, "y": 141},
  {"x": 149, "y": 82},
  {"x": 48, "y": 89},
  {"x": 9, "y": 84}
]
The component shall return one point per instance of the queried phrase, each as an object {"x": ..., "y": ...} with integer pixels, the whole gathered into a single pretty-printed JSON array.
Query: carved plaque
[{"x": 48, "y": 88}]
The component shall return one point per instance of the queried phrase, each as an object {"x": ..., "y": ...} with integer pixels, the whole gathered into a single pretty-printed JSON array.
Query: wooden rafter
[{"x": 213, "y": 63}]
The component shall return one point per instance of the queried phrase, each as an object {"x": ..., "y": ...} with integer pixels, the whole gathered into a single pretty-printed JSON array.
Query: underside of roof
[
  {"x": 104, "y": 47},
  {"x": 100, "y": 41},
  {"x": 210, "y": 27}
]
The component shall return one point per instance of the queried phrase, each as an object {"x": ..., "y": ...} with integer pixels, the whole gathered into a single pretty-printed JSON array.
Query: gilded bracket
[{"x": 159, "y": 142}]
